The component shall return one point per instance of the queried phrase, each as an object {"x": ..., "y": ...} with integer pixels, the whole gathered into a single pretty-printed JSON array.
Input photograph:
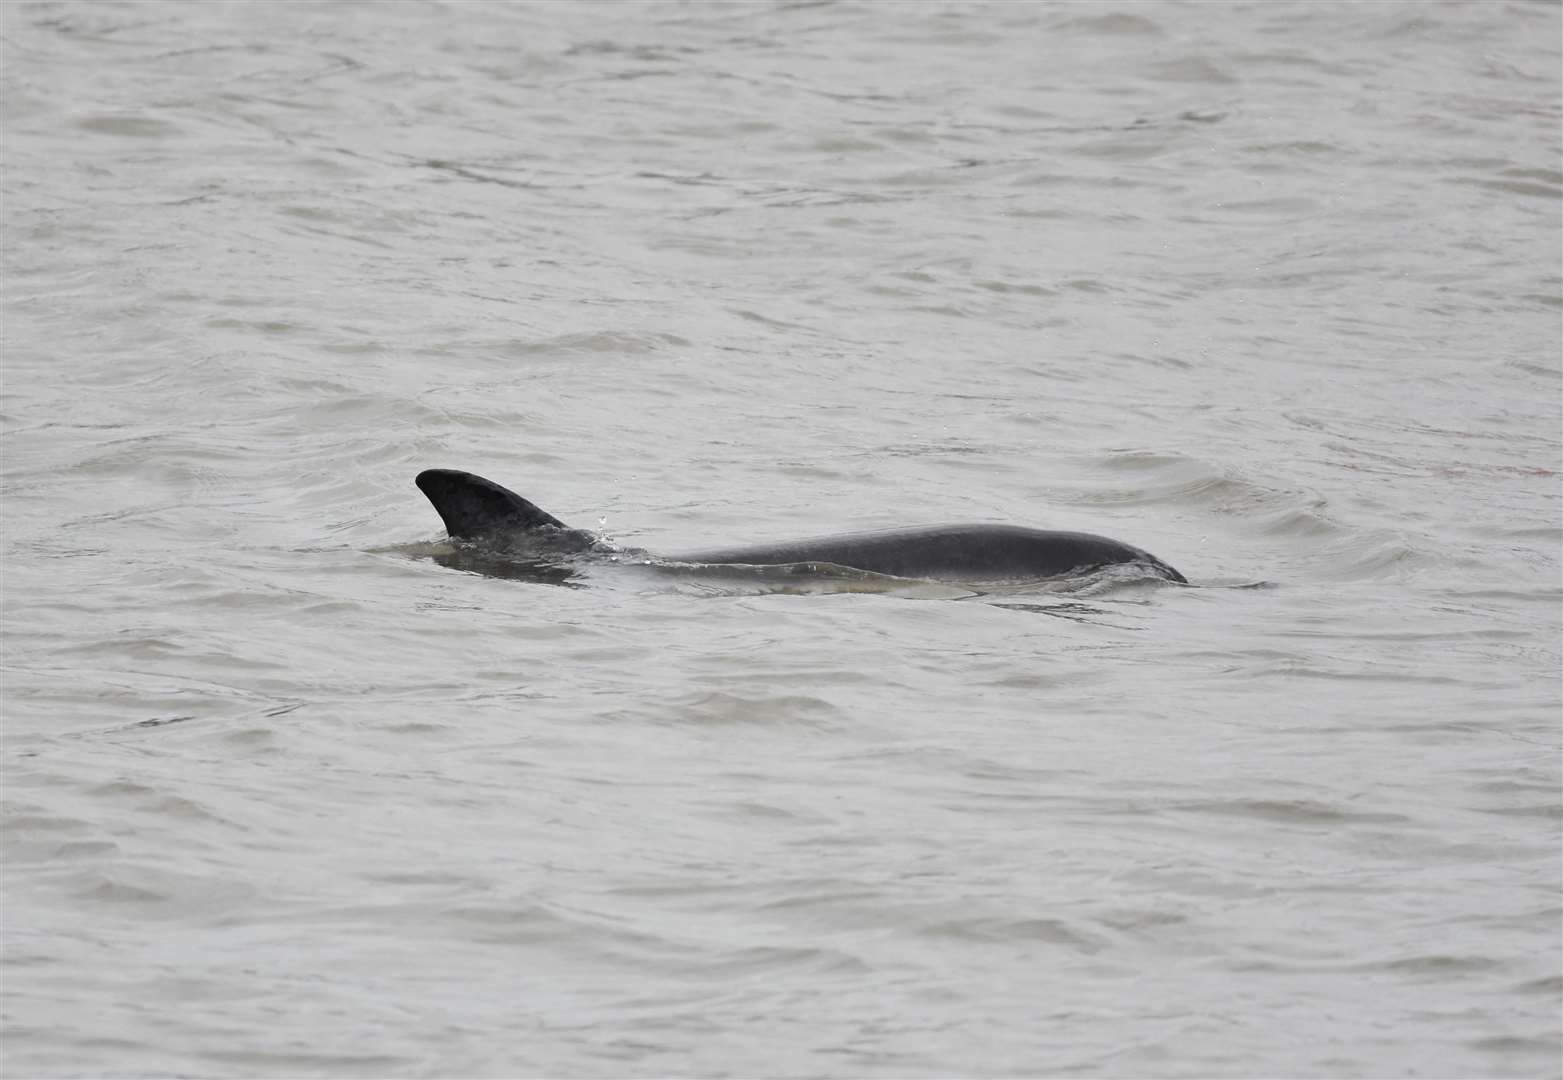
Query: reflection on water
[
  {"x": 1057, "y": 597},
  {"x": 474, "y": 560},
  {"x": 1072, "y": 610}
]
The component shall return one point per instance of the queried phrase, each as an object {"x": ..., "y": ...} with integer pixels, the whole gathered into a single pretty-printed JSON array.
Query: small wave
[
  {"x": 1369, "y": 559},
  {"x": 998, "y": 930},
  {"x": 1174, "y": 479},
  {"x": 135, "y": 126},
  {"x": 1292, "y": 811},
  {"x": 1116, "y": 24}
]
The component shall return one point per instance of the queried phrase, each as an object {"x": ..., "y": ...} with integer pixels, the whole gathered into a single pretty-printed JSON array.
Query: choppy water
[{"x": 1271, "y": 290}]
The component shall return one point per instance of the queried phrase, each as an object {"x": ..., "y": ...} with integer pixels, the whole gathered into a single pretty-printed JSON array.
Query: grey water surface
[{"x": 294, "y": 788}]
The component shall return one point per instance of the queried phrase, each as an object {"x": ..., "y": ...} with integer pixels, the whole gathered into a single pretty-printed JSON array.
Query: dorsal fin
[{"x": 472, "y": 506}]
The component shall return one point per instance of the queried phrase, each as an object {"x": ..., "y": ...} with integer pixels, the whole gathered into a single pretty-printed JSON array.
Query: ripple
[
  {"x": 1293, "y": 811},
  {"x": 1012, "y": 931},
  {"x": 129, "y": 125}
]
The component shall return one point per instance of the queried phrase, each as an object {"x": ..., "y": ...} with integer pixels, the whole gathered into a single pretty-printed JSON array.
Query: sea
[{"x": 295, "y": 787}]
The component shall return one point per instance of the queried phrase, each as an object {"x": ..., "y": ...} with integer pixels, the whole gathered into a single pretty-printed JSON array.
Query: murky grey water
[{"x": 1271, "y": 290}]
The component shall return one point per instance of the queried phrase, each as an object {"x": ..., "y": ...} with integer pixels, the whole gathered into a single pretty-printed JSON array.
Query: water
[{"x": 1272, "y": 291}]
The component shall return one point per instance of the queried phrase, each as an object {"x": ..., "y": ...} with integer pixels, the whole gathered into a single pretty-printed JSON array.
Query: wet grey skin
[{"x": 480, "y": 510}]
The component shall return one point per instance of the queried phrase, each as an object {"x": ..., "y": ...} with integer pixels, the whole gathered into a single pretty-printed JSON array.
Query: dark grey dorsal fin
[{"x": 472, "y": 506}]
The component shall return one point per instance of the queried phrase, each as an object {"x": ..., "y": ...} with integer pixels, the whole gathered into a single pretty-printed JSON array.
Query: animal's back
[{"x": 971, "y": 552}]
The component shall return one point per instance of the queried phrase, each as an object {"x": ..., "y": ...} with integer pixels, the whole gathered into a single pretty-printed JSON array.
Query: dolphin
[{"x": 479, "y": 510}]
